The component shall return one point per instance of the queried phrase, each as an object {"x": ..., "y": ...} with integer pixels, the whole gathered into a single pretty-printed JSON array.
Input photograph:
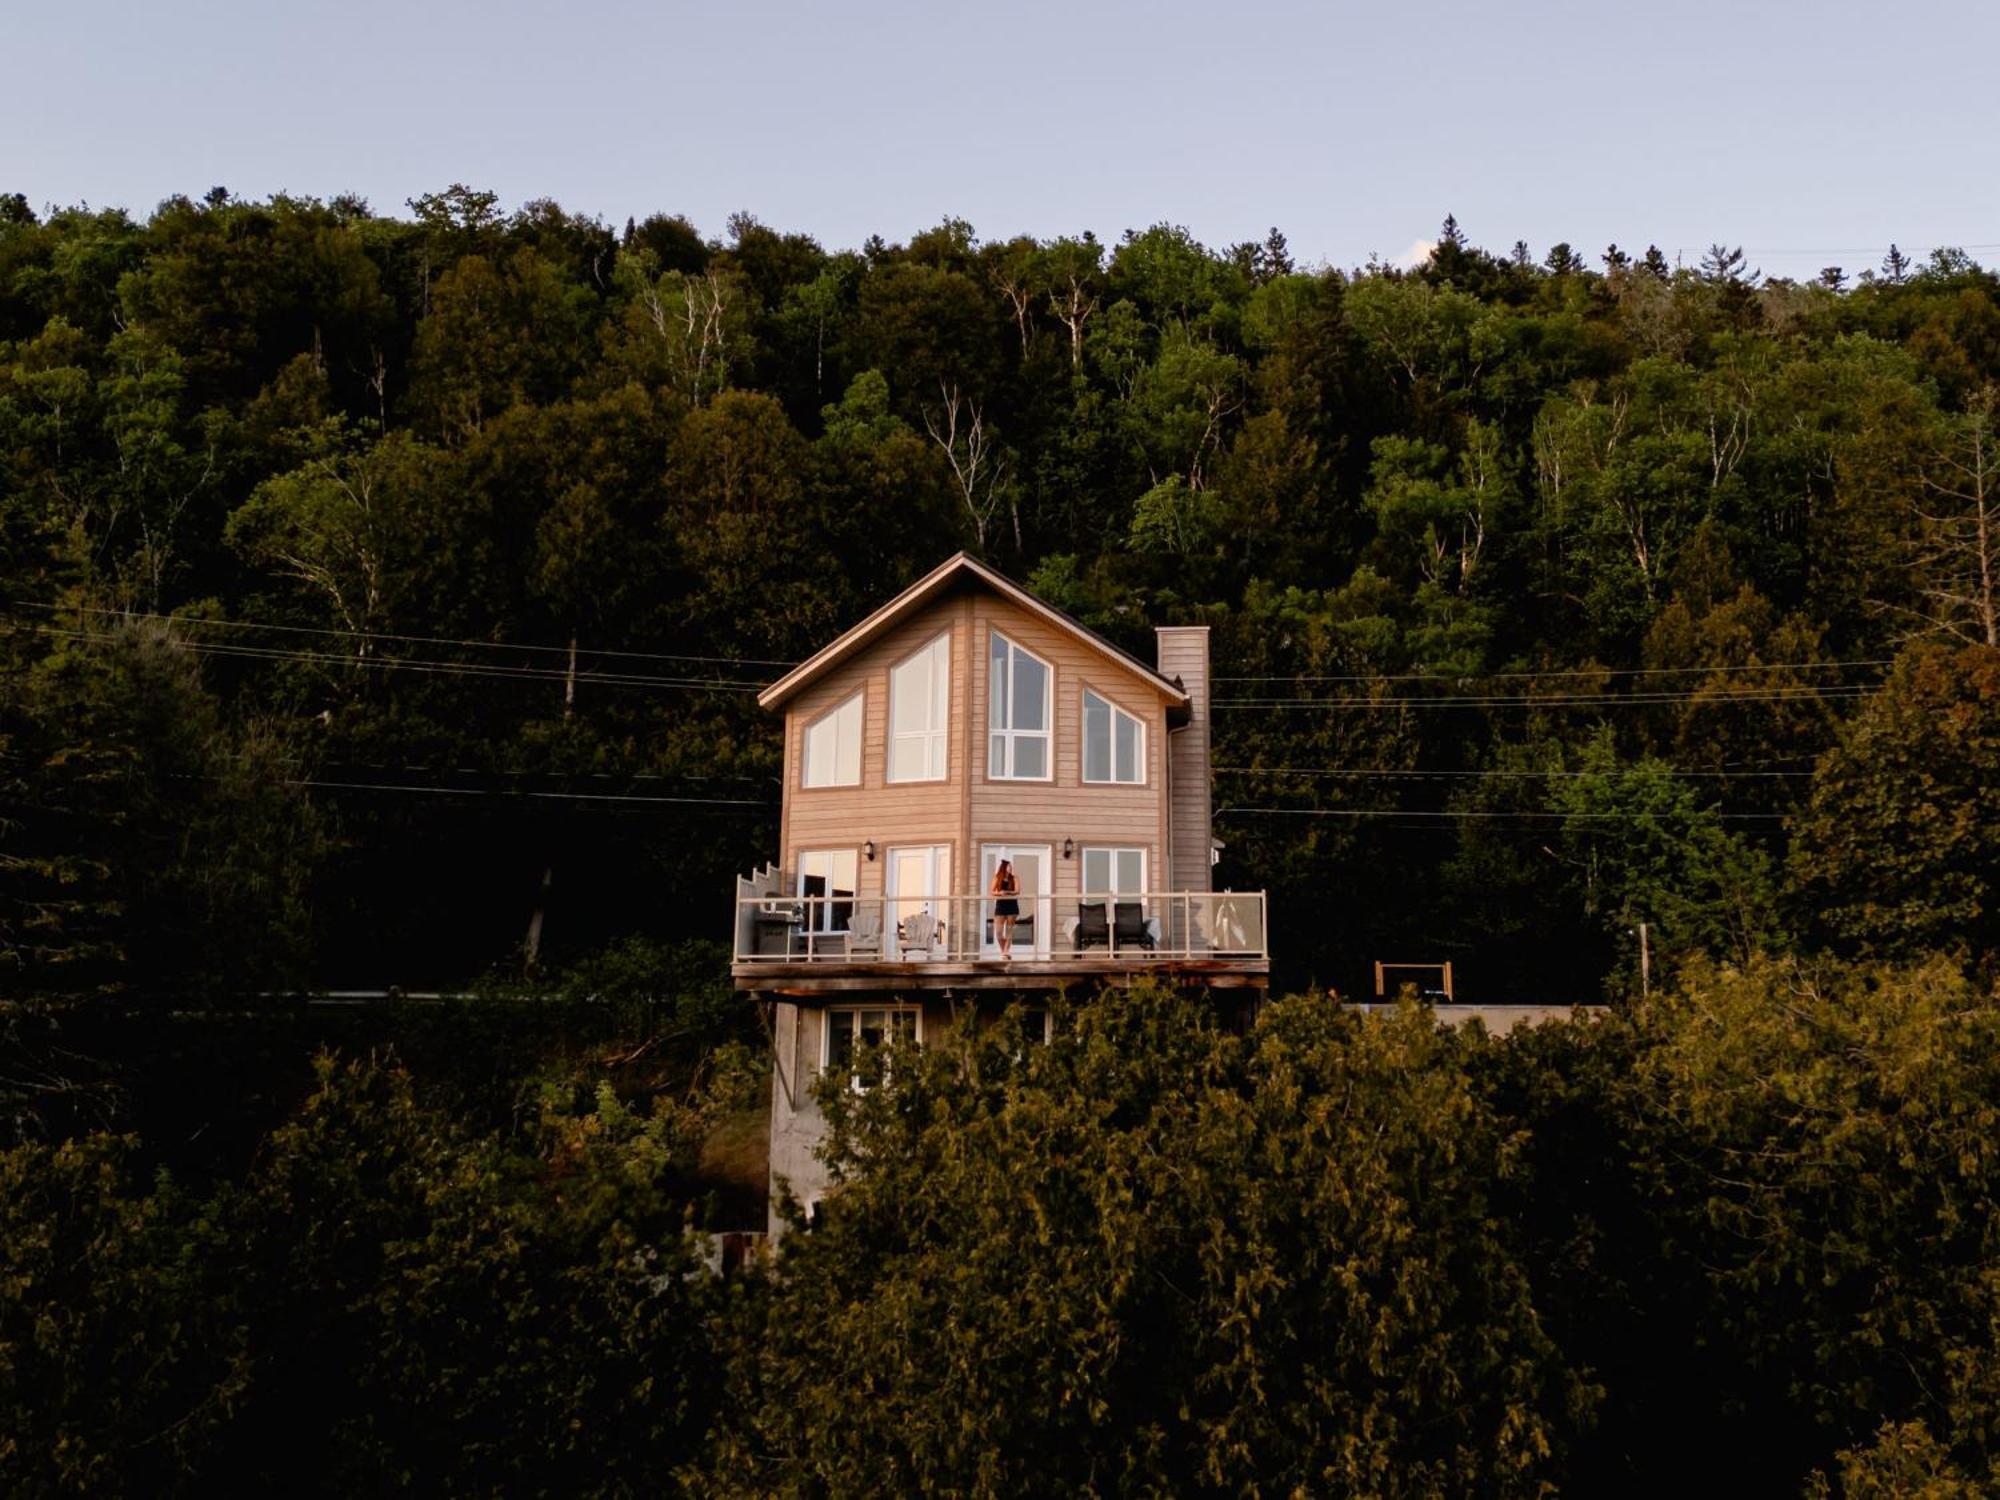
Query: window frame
[
  {"x": 1116, "y": 710},
  {"x": 1084, "y": 888},
  {"x": 857, "y": 700},
  {"x": 1009, "y": 736},
  {"x": 828, "y": 902},
  {"x": 936, "y": 738},
  {"x": 890, "y": 1010}
]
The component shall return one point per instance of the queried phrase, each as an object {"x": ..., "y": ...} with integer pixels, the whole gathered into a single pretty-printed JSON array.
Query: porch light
[
  {"x": 868, "y": 850},
  {"x": 1069, "y": 848}
]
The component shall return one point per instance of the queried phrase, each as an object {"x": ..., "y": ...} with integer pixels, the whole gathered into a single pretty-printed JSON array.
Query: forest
[{"x": 383, "y": 600}]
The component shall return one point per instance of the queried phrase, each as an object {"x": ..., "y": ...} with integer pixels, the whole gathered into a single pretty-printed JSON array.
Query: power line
[
  {"x": 1552, "y": 672},
  {"x": 434, "y": 667},
  {"x": 584, "y": 775},
  {"x": 1495, "y": 816},
  {"x": 383, "y": 635},
  {"x": 1361, "y": 772},
  {"x": 1572, "y": 700},
  {"x": 463, "y": 791}
]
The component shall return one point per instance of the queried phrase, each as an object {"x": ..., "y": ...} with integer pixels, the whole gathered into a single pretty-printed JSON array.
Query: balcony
[{"x": 826, "y": 943}]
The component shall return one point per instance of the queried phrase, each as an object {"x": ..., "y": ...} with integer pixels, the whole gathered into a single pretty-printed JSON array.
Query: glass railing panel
[{"x": 1120, "y": 926}]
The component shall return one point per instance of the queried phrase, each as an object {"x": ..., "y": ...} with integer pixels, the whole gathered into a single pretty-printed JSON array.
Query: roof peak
[{"x": 923, "y": 592}]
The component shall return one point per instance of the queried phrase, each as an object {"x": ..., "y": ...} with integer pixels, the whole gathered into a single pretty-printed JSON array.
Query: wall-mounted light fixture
[
  {"x": 1069, "y": 848},
  {"x": 868, "y": 850}
]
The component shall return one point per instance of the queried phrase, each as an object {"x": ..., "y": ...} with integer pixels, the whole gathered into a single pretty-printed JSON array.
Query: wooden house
[{"x": 965, "y": 723}]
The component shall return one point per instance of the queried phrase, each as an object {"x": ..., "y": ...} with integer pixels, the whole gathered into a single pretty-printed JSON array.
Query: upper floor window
[
  {"x": 833, "y": 746},
  {"x": 1017, "y": 720},
  {"x": 919, "y": 707},
  {"x": 1114, "y": 743}
]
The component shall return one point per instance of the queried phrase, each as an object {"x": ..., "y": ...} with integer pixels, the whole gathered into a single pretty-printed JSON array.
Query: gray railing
[{"x": 1120, "y": 927}]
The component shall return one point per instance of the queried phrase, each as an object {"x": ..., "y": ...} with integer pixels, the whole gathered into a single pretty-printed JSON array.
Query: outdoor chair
[
  {"x": 1128, "y": 925},
  {"x": 1093, "y": 925},
  {"x": 864, "y": 934},
  {"x": 919, "y": 932}
]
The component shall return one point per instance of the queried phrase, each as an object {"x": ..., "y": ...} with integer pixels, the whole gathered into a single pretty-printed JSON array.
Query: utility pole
[
  {"x": 1645, "y": 965},
  {"x": 533, "y": 945}
]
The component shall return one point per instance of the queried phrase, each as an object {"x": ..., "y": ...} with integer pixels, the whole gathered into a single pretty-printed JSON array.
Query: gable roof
[{"x": 959, "y": 568}]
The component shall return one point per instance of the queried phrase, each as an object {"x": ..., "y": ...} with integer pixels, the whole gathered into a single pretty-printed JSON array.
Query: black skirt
[{"x": 1006, "y": 906}]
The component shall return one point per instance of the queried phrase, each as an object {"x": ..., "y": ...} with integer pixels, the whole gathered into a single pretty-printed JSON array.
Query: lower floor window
[
  {"x": 1114, "y": 872},
  {"x": 851, "y": 1028}
]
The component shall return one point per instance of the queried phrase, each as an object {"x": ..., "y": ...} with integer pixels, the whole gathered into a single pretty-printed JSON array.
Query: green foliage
[
  {"x": 387, "y": 1301},
  {"x": 1326, "y": 1253},
  {"x": 1643, "y": 848},
  {"x": 1831, "y": 1161},
  {"x": 152, "y": 847},
  {"x": 1921, "y": 759},
  {"x": 1153, "y": 1256},
  {"x": 388, "y": 470}
]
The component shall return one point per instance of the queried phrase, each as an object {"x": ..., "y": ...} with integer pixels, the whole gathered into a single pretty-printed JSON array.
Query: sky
[{"x": 1812, "y": 134}]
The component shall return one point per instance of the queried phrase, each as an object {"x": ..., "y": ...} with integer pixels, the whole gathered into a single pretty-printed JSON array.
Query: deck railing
[{"x": 1114, "y": 927}]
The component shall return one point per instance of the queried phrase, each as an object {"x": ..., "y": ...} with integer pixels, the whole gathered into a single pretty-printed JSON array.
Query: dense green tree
[
  {"x": 1153, "y": 1256},
  {"x": 1897, "y": 851},
  {"x": 456, "y": 439}
]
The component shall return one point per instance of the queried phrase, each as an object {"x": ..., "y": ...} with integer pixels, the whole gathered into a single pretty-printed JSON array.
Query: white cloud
[{"x": 1419, "y": 252}]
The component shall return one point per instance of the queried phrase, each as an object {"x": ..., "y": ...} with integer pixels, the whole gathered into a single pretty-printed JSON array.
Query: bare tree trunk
[
  {"x": 533, "y": 946},
  {"x": 1073, "y": 308},
  {"x": 959, "y": 429},
  {"x": 1959, "y": 531}
]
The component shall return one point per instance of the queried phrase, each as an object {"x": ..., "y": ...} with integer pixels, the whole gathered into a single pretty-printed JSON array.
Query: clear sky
[{"x": 1809, "y": 131}]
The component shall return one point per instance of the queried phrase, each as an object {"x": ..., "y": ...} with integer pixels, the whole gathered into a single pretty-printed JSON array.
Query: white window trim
[
  {"x": 1046, "y": 735},
  {"x": 1048, "y": 1024},
  {"x": 1114, "y": 850},
  {"x": 826, "y": 1061},
  {"x": 859, "y": 696},
  {"x": 827, "y": 901},
  {"x": 940, "y": 735},
  {"x": 1083, "y": 740}
]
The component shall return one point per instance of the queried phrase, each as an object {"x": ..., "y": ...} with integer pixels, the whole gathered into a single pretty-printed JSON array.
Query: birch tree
[
  {"x": 330, "y": 526},
  {"x": 978, "y": 465},
  {"x": 1956, "y": 548}
]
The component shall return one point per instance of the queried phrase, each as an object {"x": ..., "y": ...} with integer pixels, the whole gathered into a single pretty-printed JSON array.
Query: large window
[
  {"x": 833, "y": 746},
  {"x": 1017, "y": 719},
  {"x": 1114, "y": 743},
  {"x": 850, "y": 1029},
  {"x": 919, "y": 707},
  {"x": 1114, "y": 872},
  {"x": 826, "y": 881}
]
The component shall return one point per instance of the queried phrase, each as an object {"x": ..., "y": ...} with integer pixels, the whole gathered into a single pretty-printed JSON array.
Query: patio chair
[
  {"x": 864, "y": 934},
  {"x": 1128, "y": 925},
  {"x": 1093, "y": 925},
  {"x": 919, "y": 932}
]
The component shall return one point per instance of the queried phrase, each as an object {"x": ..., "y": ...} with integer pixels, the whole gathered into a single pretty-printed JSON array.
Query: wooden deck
[{"x": 824, "y": 977}]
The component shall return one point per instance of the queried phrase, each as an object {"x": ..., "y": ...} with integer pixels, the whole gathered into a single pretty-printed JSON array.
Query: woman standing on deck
[{"x": 1006, "y": 909}]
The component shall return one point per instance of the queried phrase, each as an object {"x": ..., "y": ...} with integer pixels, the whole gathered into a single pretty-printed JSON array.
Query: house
[{"x": 965, "y": 723}]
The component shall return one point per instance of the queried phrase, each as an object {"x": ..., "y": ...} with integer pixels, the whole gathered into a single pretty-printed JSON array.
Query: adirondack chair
[
  {"x": 919, "y": 932},
  {"x": 864, "y": 933}
]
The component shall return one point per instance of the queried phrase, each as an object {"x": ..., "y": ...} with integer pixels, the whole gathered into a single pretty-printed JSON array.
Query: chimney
[{"x": 1183, "y": 655}]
